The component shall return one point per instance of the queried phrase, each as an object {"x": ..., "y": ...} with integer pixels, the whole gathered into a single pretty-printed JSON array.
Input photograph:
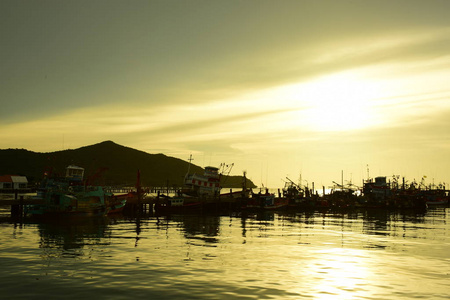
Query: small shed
[{"x": 13, "y": 182}]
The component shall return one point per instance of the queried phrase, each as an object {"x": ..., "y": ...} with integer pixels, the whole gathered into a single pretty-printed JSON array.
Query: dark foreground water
[{"x": 357, "y": 255}]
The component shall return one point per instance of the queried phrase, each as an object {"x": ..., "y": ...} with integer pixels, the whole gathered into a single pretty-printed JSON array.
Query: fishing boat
[
  {"x": 266, "y": 201},
  {"x": 380, "y": 193},
  {"x": 299, "y": 197},
  {"x": 202, "y": 186},
  {"x": 69, "y": 196},
  {"x": 376, "y": 193},
  {"x": 198, "y": 191},
  {"x": 116, "y": 203},
  {"x": 180, "y": 203},
  {"x": 435, "y": 197}
]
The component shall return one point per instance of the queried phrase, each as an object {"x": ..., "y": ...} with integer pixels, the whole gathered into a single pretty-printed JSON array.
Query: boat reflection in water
[{"x": 71, "y": 236}]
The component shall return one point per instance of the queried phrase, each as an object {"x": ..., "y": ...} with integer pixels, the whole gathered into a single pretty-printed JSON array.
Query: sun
[{"x": 339, "y": 102}]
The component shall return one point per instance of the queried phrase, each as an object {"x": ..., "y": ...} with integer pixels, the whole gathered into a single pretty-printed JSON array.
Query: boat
[
  {"x": 69, "y": 196},
  {"x": 299, "y": 197},
  {"x": 343, "y": 196},
  {"x": 202, "y": 186},
  {"x": 266, "y": 201},
  {"x": 376, "y": 193},
  {"x": 199, "y": 190},
  {"x": 380, "y": 193},
  {"x": 435, "y": 197},
  {"x": 116, "y": 203}
]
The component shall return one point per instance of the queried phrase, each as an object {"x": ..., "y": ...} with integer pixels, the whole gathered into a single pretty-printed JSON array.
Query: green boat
[{"x": 69, "y": 196}]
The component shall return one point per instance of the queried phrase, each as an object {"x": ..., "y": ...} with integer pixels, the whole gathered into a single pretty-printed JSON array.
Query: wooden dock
[{"x": 20, "y": 201}]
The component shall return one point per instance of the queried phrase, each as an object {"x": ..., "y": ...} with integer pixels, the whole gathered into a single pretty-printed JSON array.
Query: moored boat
[
  {"x": 165, "y": 204},
  {"x": 202, "y": 186},
  {"x": 266, "y": 201},
  {"x": 302, "y": 197},
  {"x": 198, "y": 191},
  {"x": 383, "y": 194},
  {"x": 435, "y": 197},
  {"x": 69, "y": 196},
  {"x": 116, "y": 203}
]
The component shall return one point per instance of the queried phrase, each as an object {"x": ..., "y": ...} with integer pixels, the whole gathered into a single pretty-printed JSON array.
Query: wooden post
[
  {"x": 167, "y": 183},
  {"x": 14, "y": 210},
  {"x": 21, "y": 206},
  {"x": 139, "y": 198},
  {"x": 17, "y": 209}
]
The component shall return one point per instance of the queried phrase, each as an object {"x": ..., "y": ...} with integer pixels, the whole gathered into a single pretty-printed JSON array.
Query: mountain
[{"x": 106, "y": 163}]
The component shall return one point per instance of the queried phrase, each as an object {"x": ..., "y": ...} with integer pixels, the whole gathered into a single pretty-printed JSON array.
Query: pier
[
  {"x": 161, "y": 199},
  {"x": 18, "y": 202}
]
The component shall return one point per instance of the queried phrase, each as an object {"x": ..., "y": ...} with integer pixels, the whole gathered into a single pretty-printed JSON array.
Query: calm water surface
[{"x": 357, "y": 255}]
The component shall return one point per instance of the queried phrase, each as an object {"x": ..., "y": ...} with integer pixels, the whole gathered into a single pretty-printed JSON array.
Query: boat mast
[{"x": 189, "y": 166}]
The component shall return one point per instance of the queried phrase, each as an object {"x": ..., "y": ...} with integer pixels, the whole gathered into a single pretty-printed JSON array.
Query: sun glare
[
  {"x": 339, "y": 102},
  {"x": 346, "y": 273}
]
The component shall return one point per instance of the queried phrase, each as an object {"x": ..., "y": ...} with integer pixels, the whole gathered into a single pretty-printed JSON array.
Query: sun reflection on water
[{"x": 338, "y": 273}]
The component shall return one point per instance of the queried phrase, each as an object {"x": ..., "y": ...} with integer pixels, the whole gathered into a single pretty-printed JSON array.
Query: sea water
[{"x": 364, "y": 254}]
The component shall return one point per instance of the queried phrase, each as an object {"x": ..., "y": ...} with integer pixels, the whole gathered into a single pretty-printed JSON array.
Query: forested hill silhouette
[{"x": 106, "y": 163}]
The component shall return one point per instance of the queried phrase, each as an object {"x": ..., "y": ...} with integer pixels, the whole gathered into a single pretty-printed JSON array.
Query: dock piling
[{"x": 17, "y": 209}]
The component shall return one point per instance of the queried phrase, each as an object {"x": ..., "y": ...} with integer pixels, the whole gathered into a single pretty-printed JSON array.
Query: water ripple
[{"x": 362, "y": 255}]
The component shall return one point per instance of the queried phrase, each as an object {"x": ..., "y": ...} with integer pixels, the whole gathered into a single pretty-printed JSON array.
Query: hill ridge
[{"x": 111, "y": 163}]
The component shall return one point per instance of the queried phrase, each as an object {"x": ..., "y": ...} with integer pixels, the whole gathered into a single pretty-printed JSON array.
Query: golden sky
[{"x": 279, "y": 88}]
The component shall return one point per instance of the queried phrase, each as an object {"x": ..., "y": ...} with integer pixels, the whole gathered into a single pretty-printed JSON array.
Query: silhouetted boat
[
  {"x": 165, "y": 204},
  {"x": 435, "y": 197},
  {"x": 198, "y": 191},
  {"x": 266, "y": 201},
  {"x": 380, "y": 193},
  {"x": 69, "y": 196},
  {"x": 116, "y": 203},
  {"x": 301, "y": 198}
]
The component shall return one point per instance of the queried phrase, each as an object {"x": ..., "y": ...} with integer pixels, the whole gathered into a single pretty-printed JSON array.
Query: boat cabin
[
  {"x": 74, "y": 173},
  {"x": 211, "y": 173},
  {"x": 206, "y": 184},
  {"x": 379, "y": 189},
  {"x": 380, "y": 181}
]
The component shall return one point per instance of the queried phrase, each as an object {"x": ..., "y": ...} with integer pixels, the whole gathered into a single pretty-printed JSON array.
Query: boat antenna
[{"x": 189, "y": 166}]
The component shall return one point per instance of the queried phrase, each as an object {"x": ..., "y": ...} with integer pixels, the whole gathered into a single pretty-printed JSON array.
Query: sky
[{"x": 314, "y": 91}]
